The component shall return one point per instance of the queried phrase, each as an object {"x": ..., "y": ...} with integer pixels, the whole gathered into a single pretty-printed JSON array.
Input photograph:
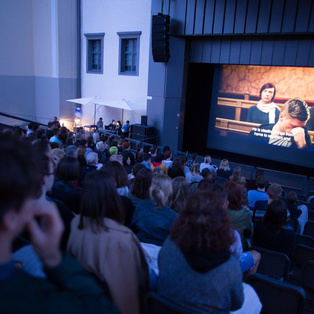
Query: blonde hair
[
  {"x": 224, "y": 165},
  {"x": 160, "y": 189},
  {"x": 207, "y": 159}
]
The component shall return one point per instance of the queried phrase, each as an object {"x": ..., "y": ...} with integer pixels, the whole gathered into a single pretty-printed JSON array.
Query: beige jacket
[{"x": 114, "y": 256}]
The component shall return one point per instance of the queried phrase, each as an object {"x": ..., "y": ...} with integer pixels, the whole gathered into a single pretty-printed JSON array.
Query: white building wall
[{"x": 110, "y": 17}]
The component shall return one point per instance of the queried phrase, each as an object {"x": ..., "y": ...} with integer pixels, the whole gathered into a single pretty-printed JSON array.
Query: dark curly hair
[{"x": 202, "y": 224}]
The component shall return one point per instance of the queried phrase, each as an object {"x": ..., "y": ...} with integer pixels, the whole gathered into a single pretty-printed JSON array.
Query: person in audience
[
  {"x": 239, "y": 216},
  {"x": 120, "y": 176},
  {"x": 196, "y": 258},
  {"x": 180, "y": 193},
  {"x": 271, "y": 234},
  {"x": 56, "y": 155},
  {"x": 71, "y": 151},
  {"x": 289, "y": 131},
  {"x": 100, "y": 125},
  {"x": 167, "y": 162},
  {"x": 158, "y": 170},
  {"x": 158, "y": 163},
  {"x": 191, "y": 161},
  {"x": 55, "y": 137},
  {"x": 237, "y": 176},
  {"x": 207, "y": 164},
  {"x": 194, "y": 174},
  {"x": 126, "y": 152},
  {"x": 259, "y": 194},
  {"x": 141, "y": 185},
  {"x": 112, "y": 126},
  {"x": 126, "y": 161},
  {"x": 152, "y": 219},
  {"x": 266, "y": 111},
  {"x": 105, "y": 247},
  {"x": 274, "y": 192},
  {"x": 153, "y": 151},
  {"x": 176, "y": 169},
  {"x": 297, "y": 212},
  {"x": 91, "y": 165},
  {"x": 67, "y": 286},
  {"x": 147, "y": 161},
  {"x": 224, "y": 170},
  {"x": 63, "y": 189}
]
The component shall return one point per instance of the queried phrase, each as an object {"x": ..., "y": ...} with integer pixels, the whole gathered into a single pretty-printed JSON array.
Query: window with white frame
[
  {"x": 94, "y": 54},
  {"x": 129, "y": 53}
]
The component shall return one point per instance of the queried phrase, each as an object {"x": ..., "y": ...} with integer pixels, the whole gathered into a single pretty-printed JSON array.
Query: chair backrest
[
  {"x": 156, "y": 304},
  {"x": 301, "y": 255},
  {"x": 306, "y": 282},
  {"x": 277, "y": 296},
  {"x": 309, "y": 228},
  {"x": 273, "y": 264},
  {"x": 311, "y": 214},
  {"x": 304, "y": 239},
  {"x": 259, "y": 211}
]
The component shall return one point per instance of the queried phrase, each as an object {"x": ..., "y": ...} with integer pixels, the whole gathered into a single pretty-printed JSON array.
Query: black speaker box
[
  {"x": 160, "y": 37},
  {"x": 143, "y": 120}
]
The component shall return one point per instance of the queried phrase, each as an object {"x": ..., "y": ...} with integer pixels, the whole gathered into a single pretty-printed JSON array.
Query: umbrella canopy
[{"x": 119, "y": 104}]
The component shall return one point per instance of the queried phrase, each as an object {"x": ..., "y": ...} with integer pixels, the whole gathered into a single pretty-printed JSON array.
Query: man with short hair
[
  {"x": 68, "y": 287},
  {"x": 259, "y": 194},
  {"x": 274, "y": 192},
  {"x": 147, "y": 161},
  {"x": 289, "y": 131}
]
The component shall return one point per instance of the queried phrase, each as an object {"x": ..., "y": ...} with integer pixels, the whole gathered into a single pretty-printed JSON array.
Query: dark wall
[{"x": 198, "y": 96}]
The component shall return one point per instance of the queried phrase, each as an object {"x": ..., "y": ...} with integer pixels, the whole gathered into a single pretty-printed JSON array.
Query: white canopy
[{"x": 119, "y": 104}]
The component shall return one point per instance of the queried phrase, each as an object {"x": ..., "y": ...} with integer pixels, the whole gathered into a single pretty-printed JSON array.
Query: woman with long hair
[
  {"x": 271, "y": 233},
  {"x": 105, "y": 247},
  {"x": 153, "y": 218},
  {"x": 196, "y": 258},
  {"x": 238, "y": 214},
  {"x": 180, "y": 193}
]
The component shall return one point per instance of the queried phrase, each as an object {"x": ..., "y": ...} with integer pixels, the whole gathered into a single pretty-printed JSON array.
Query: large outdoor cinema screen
[{"x": 263, "y": 112}]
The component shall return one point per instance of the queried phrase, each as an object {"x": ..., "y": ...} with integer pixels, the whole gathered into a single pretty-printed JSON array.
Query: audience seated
[
  {"x": 224, "y": 170},
  {"x": 152, "y": 219},
  {"x": 207, "y": 164},
  {"x": 176, "y": 169},
  {"x": 239, "y": 216},
  {"x": 67, "y": 287},
  {"x": 158, "y": 163},
  {"x": 259, "y": 194},
  {"x": 194, "y": 174},
  {"x": 196, "y": 258},
  {"x": 237, "y": 176},
  {"x": 271, "y": 234},
  {"x": 105, "y": 247},
  {"x": 180, "y": 193},
  {"x": 167, "y": 162},
  {"x": 192, "y": 161},
  {"x": 63, "y": 189}
]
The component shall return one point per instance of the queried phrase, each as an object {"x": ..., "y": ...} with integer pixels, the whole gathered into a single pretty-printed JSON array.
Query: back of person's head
[
  {"x": 160, "y": 189},
  {"x": 297, "y": 109},
  {"x": 291, "y": 197},
  {"x": 166, "y": 148},
  {"x": 274, "y": 191},
  {"x": 71, "y": 151},
  {"x": 92, "y": 159},
  {"x": 157, "y": 170},
  {"x": 20, "y": 177},
  {"x": 126, "y": 145},
  {"x": 113, "y": 150},
  {"x": 68, "y": 169},
  {"x": 153, "y": 150},
  {"x": 261, "y": 182},
  {"x": 159, "y": 158},
  {"x": 276, "y": 214},
  {"x": 167, "y": 154},
  {"x": 81, "y": 151},
  {"x": 234, "y": 195},
  {"x": 136, "y": 168},
  {"x": 202, "y": 224},
  {"x": 100, "y": 199},
  {"x": 224, "y": 165},
  {"x": 194, "y": 156},
  {"x": 118, "y": 158},
  {"x": 118, "y": 173},
  {"x": 259, "y": 172},
  {"x": 180, "y": 193},
  {"x": 205, "y": 173},
  {"x": 236, "y": 174},
  {"x": 207, "y": 159},
  {"x": 147, "y": 157},
  {"x": 195, "y": 169},
  {"x": 176, "y": 165},
  {"x": 100, "y": 145},
  {"x": 142, "y": 183}
]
